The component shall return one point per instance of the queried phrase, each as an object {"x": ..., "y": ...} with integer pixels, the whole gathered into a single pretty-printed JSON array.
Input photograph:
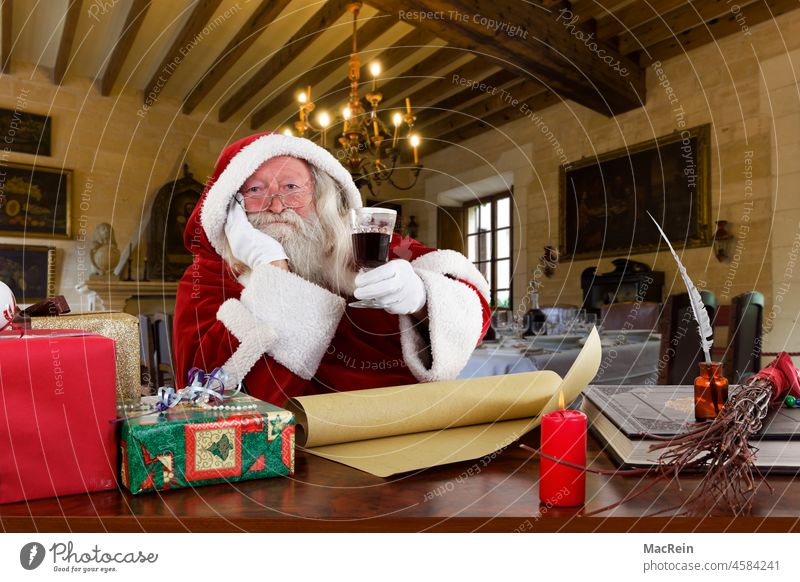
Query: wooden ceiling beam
[
  {"x": 438, "y": 108},
  {"x": 202, "y": 13},
  {"x": 536, "y": 102},
  {"x": 751, "y": 14},
  {"x": 587, "y": 9},
  {"x": 543, "y": 43},
  {"x": 333, "y": 61},
  {"x": 633, "y": 15},
  {"x": 329, "y": 13},
  {"x": 67, "y": 38},
  {"x": 428, "y": 67},
  {"x": 263, "y": 16},
  {"x": 670, "y": 23},
  {"x": 485, "y": 108},
  {"x": 123, "y": 45},
  {"x": 7, "y": 30}
]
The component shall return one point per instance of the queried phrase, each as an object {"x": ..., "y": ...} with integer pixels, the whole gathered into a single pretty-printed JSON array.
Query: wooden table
[{"x": 498, "y": 494}]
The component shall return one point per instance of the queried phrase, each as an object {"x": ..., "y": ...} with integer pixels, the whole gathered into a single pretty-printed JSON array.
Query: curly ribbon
[{"x": 211, "y": 385}]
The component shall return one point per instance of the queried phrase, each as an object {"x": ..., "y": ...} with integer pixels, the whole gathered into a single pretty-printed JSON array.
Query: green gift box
[{"x": 189, "y": 446}]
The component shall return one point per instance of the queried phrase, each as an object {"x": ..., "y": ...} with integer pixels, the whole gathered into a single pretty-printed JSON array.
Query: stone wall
[{"x": 120, "y": 156}]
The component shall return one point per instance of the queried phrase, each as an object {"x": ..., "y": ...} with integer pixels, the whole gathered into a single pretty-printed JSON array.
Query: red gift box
[{"x": 57, "y": 401}]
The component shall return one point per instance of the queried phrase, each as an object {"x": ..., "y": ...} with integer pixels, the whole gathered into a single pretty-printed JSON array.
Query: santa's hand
[
  {"x": 248, "y": 244},
  {"x": 395, "y": 287}
]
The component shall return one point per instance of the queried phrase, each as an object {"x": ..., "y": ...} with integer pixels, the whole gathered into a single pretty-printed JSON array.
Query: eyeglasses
[{"x": 257, "y": 198}]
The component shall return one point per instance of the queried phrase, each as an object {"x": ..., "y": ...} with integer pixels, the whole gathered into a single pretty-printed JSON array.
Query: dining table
[
  {"x": 495, "y": 493},
  {"x": 630, "y": 359}
]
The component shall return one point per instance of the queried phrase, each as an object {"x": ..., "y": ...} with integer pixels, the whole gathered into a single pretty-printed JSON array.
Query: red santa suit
[{"x": 285, "y": 336}]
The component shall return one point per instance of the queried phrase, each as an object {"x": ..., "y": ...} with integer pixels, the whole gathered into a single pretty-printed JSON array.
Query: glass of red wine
[{"x": 372, "y": 232}]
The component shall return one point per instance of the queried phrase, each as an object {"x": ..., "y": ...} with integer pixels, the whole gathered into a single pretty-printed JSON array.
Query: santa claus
[{"x": 266, "y": 295}]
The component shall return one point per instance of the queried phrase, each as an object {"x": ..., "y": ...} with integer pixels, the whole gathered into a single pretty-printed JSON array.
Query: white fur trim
[
  {"x": 248, "y": 159},
  {"x": 303, "y": 316},
  {"x": 456, "y": 265},
  {"x": 454, "y": 325},
  {"x": 455, "y": 317},
  {"x": 254, "y": 339}
]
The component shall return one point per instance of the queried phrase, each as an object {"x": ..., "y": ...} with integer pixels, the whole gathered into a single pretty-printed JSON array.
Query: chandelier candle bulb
[
  {"x": 397, "y": 119},
  {"x": 375, "y": 69},
  {"x": 563, "y": 435},
  {"x": 324, "y": 121},
  {"x": 346, "y": 120},
  {"x": 414, "y": 139}
]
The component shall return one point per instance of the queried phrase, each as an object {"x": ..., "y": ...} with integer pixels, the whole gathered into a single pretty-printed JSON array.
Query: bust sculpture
[{"x": 104, "y": 254}]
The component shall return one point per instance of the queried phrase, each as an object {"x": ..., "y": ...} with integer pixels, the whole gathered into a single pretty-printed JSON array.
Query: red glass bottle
[{"x": 710, "y": 391}]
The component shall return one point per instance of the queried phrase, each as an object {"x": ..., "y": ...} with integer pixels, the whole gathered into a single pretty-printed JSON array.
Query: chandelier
[{"x": 369, "y": 148}]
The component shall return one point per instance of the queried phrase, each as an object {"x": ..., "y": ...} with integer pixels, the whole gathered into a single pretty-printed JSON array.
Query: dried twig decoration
[{"x": 721, "y": 448}]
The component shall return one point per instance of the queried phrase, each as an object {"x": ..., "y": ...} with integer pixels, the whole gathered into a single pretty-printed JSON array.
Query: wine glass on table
[{"x": 372, "y": 232}]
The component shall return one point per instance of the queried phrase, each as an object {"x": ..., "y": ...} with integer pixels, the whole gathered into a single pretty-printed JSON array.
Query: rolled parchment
[{"x": 384, "y": 431}]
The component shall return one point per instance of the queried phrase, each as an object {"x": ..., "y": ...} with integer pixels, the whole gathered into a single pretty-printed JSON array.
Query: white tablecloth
[
  {"x": 495, "y": 361},
  {"x": 634, "y": 363}
]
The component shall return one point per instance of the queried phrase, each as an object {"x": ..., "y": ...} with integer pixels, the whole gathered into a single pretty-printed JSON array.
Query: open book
[{"x": 623, "y": 416}]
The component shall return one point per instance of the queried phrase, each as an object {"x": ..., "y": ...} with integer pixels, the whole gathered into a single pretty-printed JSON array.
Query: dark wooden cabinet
[{"x": 630, "y": 281}]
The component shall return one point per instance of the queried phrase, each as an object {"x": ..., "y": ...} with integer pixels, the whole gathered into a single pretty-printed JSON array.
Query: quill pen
[{"x": 695, "y": 300}]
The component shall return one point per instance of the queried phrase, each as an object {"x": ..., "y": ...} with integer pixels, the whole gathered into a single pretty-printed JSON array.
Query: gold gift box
[{"x": 123, "y": 328}]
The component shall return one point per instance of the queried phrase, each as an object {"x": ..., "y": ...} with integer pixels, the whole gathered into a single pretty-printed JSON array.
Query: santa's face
[
  {"x": 280, "y": 199},
  {"x": 279, "y": 196}
]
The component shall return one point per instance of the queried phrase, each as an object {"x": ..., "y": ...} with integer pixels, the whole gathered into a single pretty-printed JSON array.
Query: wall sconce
[
  {"x": 549, "y": 261},
  {"x": 722, "y": 241},
  {"x": 412, "y": 228}
]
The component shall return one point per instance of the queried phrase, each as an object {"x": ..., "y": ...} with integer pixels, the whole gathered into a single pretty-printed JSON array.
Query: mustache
[{"x": 265, "y": 217}]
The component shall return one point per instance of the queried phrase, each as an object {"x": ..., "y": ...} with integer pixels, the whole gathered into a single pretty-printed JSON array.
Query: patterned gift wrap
[{"x": 189, "y": 446}]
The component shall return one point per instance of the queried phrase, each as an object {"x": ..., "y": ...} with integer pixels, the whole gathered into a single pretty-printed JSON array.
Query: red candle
[{"x": 563, "y": 437}]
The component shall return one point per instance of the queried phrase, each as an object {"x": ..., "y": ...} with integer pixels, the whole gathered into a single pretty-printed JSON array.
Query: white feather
[{"x": 695, "y": 300}]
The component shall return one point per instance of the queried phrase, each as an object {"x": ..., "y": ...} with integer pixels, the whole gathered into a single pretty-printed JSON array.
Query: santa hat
[{"x": 240, "y": 159}]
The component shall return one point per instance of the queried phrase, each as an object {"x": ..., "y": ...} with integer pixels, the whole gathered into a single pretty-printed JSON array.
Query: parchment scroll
[{"x": 384, "y": 431}]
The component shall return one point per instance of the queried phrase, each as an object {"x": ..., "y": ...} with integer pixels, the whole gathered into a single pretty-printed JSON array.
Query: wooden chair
[
  {"x": 165, "y": 371},
  {"x": 147, "y": 355},
  {"x": 743, "y": 357},
  {"x": 680, "y": 341},
  {"x": 644, "y": 315}
]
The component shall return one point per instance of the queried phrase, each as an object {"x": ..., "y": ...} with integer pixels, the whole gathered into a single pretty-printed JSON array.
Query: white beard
[{"x": 310, "y": 254}]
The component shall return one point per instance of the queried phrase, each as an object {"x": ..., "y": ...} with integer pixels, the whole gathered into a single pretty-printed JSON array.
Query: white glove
[
  {"x": 248, "y": 244},
  {"x": 395, "y": 287}
]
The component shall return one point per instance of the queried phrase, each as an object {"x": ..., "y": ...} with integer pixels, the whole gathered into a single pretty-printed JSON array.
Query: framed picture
[
  {"x": 30, "y": 271},
  {"x": 28, "y": 133},
  {"x": 603, "y": 201},
  {"x": 35, "y": 200}
]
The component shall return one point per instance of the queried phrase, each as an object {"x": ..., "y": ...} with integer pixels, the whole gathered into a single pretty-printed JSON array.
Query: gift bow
[
  {"x": 200, "y": 383},
  {"x": 211, "y": 385}
]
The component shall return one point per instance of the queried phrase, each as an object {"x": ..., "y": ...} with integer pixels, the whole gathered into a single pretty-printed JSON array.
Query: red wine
[{"x": 371, "y": 249}]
